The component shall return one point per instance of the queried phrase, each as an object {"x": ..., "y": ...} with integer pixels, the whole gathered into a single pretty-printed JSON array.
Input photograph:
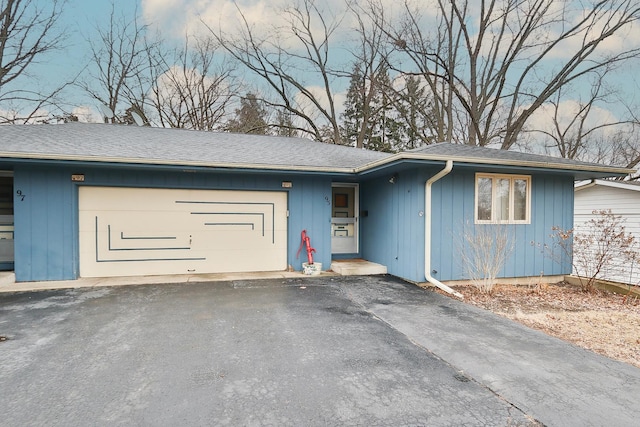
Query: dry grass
[{"x": 600, "y": 321}]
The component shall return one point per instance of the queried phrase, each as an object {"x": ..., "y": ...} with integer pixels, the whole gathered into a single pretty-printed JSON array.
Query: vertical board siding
[
  {"x": 393, "y": 230},
  {"x": 44, "y": 225},
  {"x": 310, "y": 209},
  {"x": 551, "y": 205},
  {"x": 392, "y": 234},
  {"x": 46, "y": 222},
  {"x": 454, "y": 196}
]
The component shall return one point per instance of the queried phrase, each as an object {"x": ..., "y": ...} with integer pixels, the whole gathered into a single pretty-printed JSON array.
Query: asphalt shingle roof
[
  {"x": 483, "y": 153},
  {"x": 179, "y": 147},
  {"x": 131, "y": 144}
]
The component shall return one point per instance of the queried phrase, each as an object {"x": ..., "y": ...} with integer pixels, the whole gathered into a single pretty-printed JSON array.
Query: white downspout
[{"x": 427, "y": 230}]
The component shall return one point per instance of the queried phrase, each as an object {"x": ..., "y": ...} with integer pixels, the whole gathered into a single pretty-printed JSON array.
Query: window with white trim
[{"x": 503, "y": 199}]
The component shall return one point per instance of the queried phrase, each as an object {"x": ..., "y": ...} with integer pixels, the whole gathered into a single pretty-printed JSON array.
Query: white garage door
[{"x": 142, "y": 231}]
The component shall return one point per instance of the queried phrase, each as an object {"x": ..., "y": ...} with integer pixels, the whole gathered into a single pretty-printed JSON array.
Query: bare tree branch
[
  {"x": 286, "y": 68},
  {"x": 194, "y": 92},
  {"x": 28, "y": 31},
  {"x": 491, "y": 65},
  {"x": 119, "y": 71}
]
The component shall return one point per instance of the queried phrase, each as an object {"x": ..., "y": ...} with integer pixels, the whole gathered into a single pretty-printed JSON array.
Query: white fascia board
[
  {"x": 181, "y": 163},
  {"x": 497, "y": 162},
  {"x": 614, "y": 184},
  {"x": 371, "y": 165},
  {"x": 583, "y": 185}
]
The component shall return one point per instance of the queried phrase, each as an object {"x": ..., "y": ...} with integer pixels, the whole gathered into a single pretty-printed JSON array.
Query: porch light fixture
[{"x": 393, "y": 179}]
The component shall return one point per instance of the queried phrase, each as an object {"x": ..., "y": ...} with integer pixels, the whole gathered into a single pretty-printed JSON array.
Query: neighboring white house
[{"x": 623, "y": 199}]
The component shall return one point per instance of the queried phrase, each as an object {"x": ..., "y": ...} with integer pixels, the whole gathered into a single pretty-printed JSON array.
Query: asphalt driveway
[{"x": 313, "y": 351}]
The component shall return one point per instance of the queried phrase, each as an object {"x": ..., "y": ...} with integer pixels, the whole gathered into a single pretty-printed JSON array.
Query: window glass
[
  {"x": 484, "y": 199},
  {"x": 519, "y": 199},
  {"x": 502, "y": 199}
]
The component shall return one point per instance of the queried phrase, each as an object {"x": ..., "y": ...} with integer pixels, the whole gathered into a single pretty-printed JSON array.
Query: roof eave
[
  {"x": 612, "y": 184},
  {"x": 601, "y": 171},
  {"x": 183, "y": 163},
  {"x": 608, "y": 170}
]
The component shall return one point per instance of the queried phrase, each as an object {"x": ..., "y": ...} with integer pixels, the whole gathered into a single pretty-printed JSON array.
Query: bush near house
[
  {"x": 483, "y": 251},
  {"x": 597, "y": 247}
]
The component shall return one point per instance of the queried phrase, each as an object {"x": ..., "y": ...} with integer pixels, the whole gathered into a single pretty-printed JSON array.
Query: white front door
[{"x": 344, "y": 219}]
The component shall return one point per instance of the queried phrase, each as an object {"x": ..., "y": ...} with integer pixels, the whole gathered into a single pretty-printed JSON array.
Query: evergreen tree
[
  {"x": 284, "y": 124},
  {"x": 352, "y": 117},
  {"x": 250, "y": 117},
  {"x": 369, "y": 118},
  {"x": 413, "y": 107}
]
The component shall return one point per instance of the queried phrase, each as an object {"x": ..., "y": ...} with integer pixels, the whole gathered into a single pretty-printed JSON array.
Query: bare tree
[
  {"x": 28, "y": 31},
  {"x": 288, "y": 60},
  {"x": 413, "y": 104},
  {"x": 625, "y": 147},
  {"x": 194, "y": 88},
  {"x": 575, "y": 129},
  {"x": 626, "y": 144},
  {"x": 578, "y": 129},
  {"x": 119, "y": 73},
  {"x": 420, "y": 49},
  {"x": 491, "y": 65}
]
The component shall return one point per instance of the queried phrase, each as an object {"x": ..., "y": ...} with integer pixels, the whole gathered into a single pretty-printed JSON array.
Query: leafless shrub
[
  {"x": 597, "y": 248},
  {"x": 483, "y": 250}
]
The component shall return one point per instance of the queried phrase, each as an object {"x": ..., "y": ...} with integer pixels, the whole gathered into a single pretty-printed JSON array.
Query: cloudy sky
[{"x": 174, "y": 19}]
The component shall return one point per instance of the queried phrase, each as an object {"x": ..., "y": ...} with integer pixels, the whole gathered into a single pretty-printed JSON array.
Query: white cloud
[
  {"x": 625, "y": 38},
  {"x": 179, "y": 17},
  {"x": 173, "y": 84},
  {"x": 87, "y": 114},
  {"x": 543, "y": 118}
]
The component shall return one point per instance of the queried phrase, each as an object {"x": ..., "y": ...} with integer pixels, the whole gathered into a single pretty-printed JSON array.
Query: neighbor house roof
[
  {"x": 106, "y": 143},
  {"x": 625, "y": 185}
]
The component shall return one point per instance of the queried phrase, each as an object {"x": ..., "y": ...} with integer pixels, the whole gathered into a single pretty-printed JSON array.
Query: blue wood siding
[
  {"x": 393, "y": 232},
  {"x": 46, "y": 221},
  {"x": 551, "y": 205},
  {"x": 310, "y": 209},
  {"x": 45, "y": 224}
]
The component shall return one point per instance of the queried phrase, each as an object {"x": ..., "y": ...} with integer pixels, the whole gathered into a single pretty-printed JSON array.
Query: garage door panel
[{"x": 127, "y": 231}]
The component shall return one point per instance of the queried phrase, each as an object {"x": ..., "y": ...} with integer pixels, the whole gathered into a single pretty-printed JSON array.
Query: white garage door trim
[{"x": 125, "y": 231}]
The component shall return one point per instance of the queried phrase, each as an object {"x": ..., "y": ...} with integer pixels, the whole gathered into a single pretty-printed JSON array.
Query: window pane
[
  {"x": 519, "y": 199},
  {"x": 502, "y": 199},
  {"x": 484, "y": 199}
]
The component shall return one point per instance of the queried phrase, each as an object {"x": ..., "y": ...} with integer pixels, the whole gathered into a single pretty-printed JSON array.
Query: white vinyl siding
[{"x": 623, "y": 202}]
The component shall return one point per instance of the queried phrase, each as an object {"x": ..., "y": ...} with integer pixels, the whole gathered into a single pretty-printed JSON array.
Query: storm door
[{"x": 344, "y": 219}]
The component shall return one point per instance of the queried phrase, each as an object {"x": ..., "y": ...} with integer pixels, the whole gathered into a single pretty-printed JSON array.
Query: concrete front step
[
  {"x": 357, "y": 267},
  {"x": 7, "y": 278}
]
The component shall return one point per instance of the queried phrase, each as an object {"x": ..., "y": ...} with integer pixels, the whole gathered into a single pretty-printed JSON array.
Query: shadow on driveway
[{"x": 312, "y": 351}]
